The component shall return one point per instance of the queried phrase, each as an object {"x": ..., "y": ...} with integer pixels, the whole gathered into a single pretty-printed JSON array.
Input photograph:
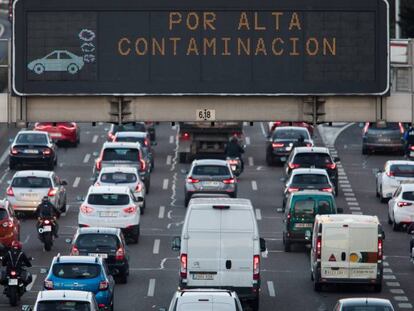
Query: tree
[{"x": 407, "y": 18}]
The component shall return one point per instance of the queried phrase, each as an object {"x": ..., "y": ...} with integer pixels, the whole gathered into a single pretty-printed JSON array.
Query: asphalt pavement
[{"x": 286, "y": 283}]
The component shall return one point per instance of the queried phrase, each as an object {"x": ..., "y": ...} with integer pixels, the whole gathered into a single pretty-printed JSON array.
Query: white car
[
  {"x": 401, "y": 207},
  {"x": 388, "y": 180},
  {"x": 124, "y": 176},
  {"x": 111, "y": 207},
  {"x": 64, "y": 300}
]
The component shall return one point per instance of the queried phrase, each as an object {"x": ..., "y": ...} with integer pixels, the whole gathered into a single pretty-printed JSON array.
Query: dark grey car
[{"x": 382, "y": 136}]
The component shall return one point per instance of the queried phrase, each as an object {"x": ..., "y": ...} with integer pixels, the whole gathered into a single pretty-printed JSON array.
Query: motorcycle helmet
[
  {"x": 45, "y": 199},
  {"x": 16, "y": 245}
]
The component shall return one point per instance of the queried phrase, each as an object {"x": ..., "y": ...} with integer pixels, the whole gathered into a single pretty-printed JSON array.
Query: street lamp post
[{"x": 397, "y": 19}]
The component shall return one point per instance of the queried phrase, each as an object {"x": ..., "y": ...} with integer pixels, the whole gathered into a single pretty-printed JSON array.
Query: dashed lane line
[
  {"x": 168, "y": 161},
  {"x": 151, "y": 288},
  {"x": 94, "y": 139},
  {"x": 156, "y": 248},
  {"x": 86, "y": 158},
  {"x": 258, "y": 214},
  {"x": 76, "y": 182},
  {"x": 30, "y": 286},
  {"x": 254, "y": 185},
  {"x": 251, "y": 162},
  {"x": 271, "y": 288},
  {"x": 161, "y": 212},
  {"x": 353, "y": 203},
  {"x": 165, "y": 184},
  {"x": 405, "y": 306},
  {"x": 396, "y": 291},
  {"x": 247, "y": 140},
  {"x": 171, "y": 139}
]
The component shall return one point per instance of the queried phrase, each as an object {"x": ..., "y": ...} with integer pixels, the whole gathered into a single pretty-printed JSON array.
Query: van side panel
[
  {"x": 363, "y": 252},
  {"x": 334, "y": 257}
]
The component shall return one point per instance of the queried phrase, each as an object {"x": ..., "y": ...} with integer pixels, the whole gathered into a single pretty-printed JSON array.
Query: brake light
[
  {"x": 293, "y": 165},
  {"x": 327, "y": 190},
  {"x": 402, "y": 204},
  {"x": 293, "y": 189},
  {"x": 183, "y": 266},
  {"x": 191, "y": 180},
  {"x": 401, "y": 128},
  {"x": 308, "y": 145},
  {"x": 366, "y": 128},
  {"x": 143, "y": 164},
  {"x": 319, "y": 247},
  {"x": 52, "y": 192},
  {"x": 111, "y": 136},
  {"x": 288, "y": 219},
  {"x": 104, "y": 285},
  {"x": 120, "y": 254},
  {"x": 98, "y": 164},
  {"x": 130, "y": 209},
  {"x": 138, "y": 188},
  {"x": 97, "y": 183},
  {"x": 256, "y": 267},
  {"x": 10, "y": 192},
  {"x": 13, "y": 273},
  {"x": 14, "y": 151},
  {"x": 67, "y": 126},
  {"x": 47, "y": 151},
  {"x": 185, "y": 136},
  {"x": 411, "y": 147},
  {"x": 390, "y": 174},
  {"x": 277, "y": 145},
  {"x": 234, "y": 162},
  {"x": 146, "y": 142},
  {"x": 380, "y": 249},
  {"x": 74, "y": 251},
  {"x": 229, "y": 181},
  {"x": 47, "y": 221},
  {"x": 331, "y": 166},
  {"x": 86, "y": 209},
  {"x": 48, "y": 284}
]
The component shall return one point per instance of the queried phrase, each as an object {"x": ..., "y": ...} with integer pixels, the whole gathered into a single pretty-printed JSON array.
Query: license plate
[
  {"x": 211, "y": 183},
  {"x": 30, "y": 195},
  {"x": 334, "y": 272},
  {"x": 30, "y": 151},
  {"x": 47, "y": 228},
  {"x": 13, "y": 282},
  {"x": 203, "y": 276},
  {"x": 103, "y": 256},
  {"x": 300, "y": 225},
  {"x": 283, "y": 159},
  {"x": 56, "y": 134},
  {"x": 233, "y": 167},
  {"x": 384, "y": 140},
  {"x": 362, "y": 272},
  {"x": 411, "y": 153},
  {"x": 108, "y": 214}
]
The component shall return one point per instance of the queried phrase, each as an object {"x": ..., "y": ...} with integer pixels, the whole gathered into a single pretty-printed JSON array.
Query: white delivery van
[
  {"x": 220, "y": 247},
  {"x": 347, "y": 249}
]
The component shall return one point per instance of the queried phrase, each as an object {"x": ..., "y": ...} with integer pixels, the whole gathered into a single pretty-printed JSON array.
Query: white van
[
  {"x": 220, "y": 247},
  {"x": 347, "y": 249}
]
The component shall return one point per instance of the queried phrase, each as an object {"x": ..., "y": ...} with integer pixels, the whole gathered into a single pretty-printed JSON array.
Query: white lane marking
[
  {"x": 405, "y": 306},
  {"x": 251, "y": 163},
  {"x": 156, "y": 248},
  {"x": 357, "y": 213},
  {"x": 29, "y": 287},
  {"x": 2, "y": 28},
  {"x": 254, "y": 185},
  {"x": 171, "y": 139},
  {"x": 165, "y": 184},
  {"x": 161, "y": 212},
  {"x": 341, "y": 173},
  {"x": 343, "y": 178},
  {"x": 4, "y": 155},
  {"x": 401, "y": 298},
  {"x": 94, "y": 139},
  {"x": 385, "y": 264},
  {"x": 387, "y": 270},
  {"x": 258, "y": 214},
  {"x": 345, "y": 189},
  {"x": 76, "y": 182},
  {"x": 393, "y": 284},
  {"x": 354, "y": 208},
  {"x": 168, "y": 161},
  {"x": 345, "y": 186},
  {"x": 151, "y": 288},
  {"x": 396, "y": 291},
  {"x": 86, "y": 158},
  {"x": 389, "y": 277},
  {"x": 344, "y": 181},
  {"x": 271, "y": 288},
  {"x": 353, "y": 203},
  {"x": 263, "y": 129},
  {"x": 247, "y": 140},
  {"x": 350, "y": 199},
  {"x": 348, "y": 194}
]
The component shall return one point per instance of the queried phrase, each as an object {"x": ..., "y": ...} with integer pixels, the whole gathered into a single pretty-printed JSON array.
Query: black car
[
  {"x": 31, "y": 148},
  {"x": 132, "y": 127},
  {"x": 383, "y": 136},
  {"x": 283, "y": 140},
  {"x": 108, "y": 243},
  {"x": 314, "y": 157}
]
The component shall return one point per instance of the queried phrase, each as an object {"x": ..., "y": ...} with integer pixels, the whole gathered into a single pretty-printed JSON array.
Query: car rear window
[
  {"x": 205, "y": 306},
  {"x": 108, "y": 199},
  {"x": 3, "y": 214},
  {"x": 290, "y": 134},
  {"x": 31, "y": 182},
  {"x": 384, "y": 126},
  {"x": 309, "y": 179},
  {"x": 408, "y": 195},
  {"x": 120, "y": 154},
  {"x": 76, "y": 270},
  {"x": 31, "y": 139},
  {"x": 118, "y": 178},
  {"x": 63, "y": 305},
  {"x": 304, "y": 208},
  {"x": 130, "y": 139},
  {"x": 91, "y": 240},
  {"x": 367, "y": 308},
  {"x": 405, "y": 170},
  {"x": 312, "y": 158},
  {"x": 130, "y": 127},
  {"x": 211, "y": 170}
]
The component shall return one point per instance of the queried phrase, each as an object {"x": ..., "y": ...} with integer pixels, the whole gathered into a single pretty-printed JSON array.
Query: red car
[
  {"x": 61, "y": 131},
  {"x": 9, "y": 224},
  {"x": 273, "y": 125}
]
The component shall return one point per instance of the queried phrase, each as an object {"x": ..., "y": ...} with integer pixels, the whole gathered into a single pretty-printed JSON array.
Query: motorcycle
[
  {"x": 45, "y": 230},
  {"x": 14, "y": 285},
  {"x": 235, "y": 165}
]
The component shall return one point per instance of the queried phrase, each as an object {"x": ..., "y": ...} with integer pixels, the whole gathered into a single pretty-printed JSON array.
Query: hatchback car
[
  {"x": 388, "y": 180},
  {"x": 271, "y": 126},
  {"x": 59, "y": 60},
  {"x": 401, "y": 207},
  {"x": 32, "y": 148},
  {"x": 383, "y": 136},
  {"x": 204, "y": 299},
  {"x": 111, "y": 207},
  {"x": 60, "y": 131},
  {"x": 124, "y": 176},
  {"x": 27, "y": 188},
  {"x": 307, "y": 179},
  {"x": 363, "y": 304},
  {"x": 64, "y": 300},
  {"x": 283, "y": 140},
  {"x": 209, "y": 176},
  {"x": 107, "y": 243},
  {"x": 9, "y": 224},
  {"x": 82, "y": 273},
  {"x": 127, "y": 127},
  {"x": 124, "y": 154},
  {"x": 314, "y": 157}
]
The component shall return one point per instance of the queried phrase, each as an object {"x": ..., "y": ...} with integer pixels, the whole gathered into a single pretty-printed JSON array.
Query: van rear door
[
  {"x": 363, "y": 251},
  {"x": 335, "y": 251}
]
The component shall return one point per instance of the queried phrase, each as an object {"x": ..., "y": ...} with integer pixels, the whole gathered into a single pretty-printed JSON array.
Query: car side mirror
[
  {"x": 27, "y": 308},
  {"x": 383, "y": 234},
  {"x": 11, "y": 140},
  {"x": 63, "y": 182},
  {"x": 184, "y": 171},
  {"x": 176, "y": 244},
  {"x": 9, "y": 182},
  {"x": 340, "y": 210},
  {"x": 262, "y": 245},
  {"x": 337, "y": 159}
]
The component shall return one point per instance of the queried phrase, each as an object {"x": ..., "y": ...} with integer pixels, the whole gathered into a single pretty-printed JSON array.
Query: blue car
[{"x": 84, "y": 273}]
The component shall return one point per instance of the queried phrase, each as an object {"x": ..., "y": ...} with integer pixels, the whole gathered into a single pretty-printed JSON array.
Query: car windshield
[
  {"x": 120, "y": 154},
  {"x": 3, "y": 214},
  {"x": 31, "y": 139},
  {"x": 408, "y": 195},
  {"x": 118, "y": 178},
  {"x": 108, "y": 199},
  {"x": 309, "y": 179},
  {"x": 131, "y": 139},
  {"x": 211, "y": 170},
  {"x": 130, "y": 127},
  {"x": 98, "y": 240},
  {"x": 31, "y": 182},
  {"x": 366, "y": 308},
  {"x": 290, "y": 134},
  {"x": 76, "y": 270},
  {"x": 400, "y": 170},
  {"x": 50, "y": 305},
  {"x": 303, "y": 208},
  {"x": 312, "y": 158}
]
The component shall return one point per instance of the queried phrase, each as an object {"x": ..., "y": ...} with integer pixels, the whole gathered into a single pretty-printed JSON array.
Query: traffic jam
[{"x": 191, "y": 216}]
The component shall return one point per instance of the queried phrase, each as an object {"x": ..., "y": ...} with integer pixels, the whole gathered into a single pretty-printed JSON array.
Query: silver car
[
  {"x": 124, "y": 176},
  {"x": 27, "y": 188},
  {"x": 360, "y": 304}
]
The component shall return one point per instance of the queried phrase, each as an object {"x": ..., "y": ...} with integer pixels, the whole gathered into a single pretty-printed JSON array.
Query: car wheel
[
  {"x": 376, "y": 191},
  {"x": 317, "y": 286},
  {"x": 186, "y": 200},
  {"x": 147, "y": 185},
  {"x": 378, "y": 288},
  {"x": 286, "y": 245},
  {"x": 73, "y": 69},
  {"x": 389, "y": 219},
  {"x": 135, "y": 235},
  {"x": 395, "y": 226},
  {"x": 142, "y": 209},
  {"x": 63, "y": 208},
  {"x": 122, "y": 278},
  {"x": 39, "y": 69},
  {"x": 336, "y": 190},
  {"x": 51, "y": 166},
  {"x": 254, "y": 305},
  {"x": 12, "y": 166},
  {"x": 269, "y": 160}
]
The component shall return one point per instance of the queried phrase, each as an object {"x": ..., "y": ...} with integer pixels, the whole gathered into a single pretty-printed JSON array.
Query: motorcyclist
[
  {"x": 234, "y": 150},
  {"x": 410, "y": 230},
  {"x": 15, "y": 260},
  {"x": 409, "y": 139},
  {"x": 47, "y": 210}
]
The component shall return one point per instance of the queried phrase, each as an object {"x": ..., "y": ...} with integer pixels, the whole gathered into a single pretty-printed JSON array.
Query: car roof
[
  {"x": 284, "y": 127},
  {"x": 311, "y": 193},
  {"x": 409, "y": 186},
  {"x": 36, "y": 173},
  {"x": 77, "y": 259},
  {"x": 348, "y": 218},
  {"x": 210, "y": 162},
  {"x": 119, "y": 169},
  {"x": 205, "y": 290},
  {"x": 32, "y": 132},
  {"x": 364, "y": 301},
  {"x": 121, "y": 145},
  {"x": 132, "y": 134},
  {"x": 404, "y": 162},
  {"x": 208, "y": 202},
  {"x": 311, "y": 149},
  {"x": 109, "y": 189},
  {"x": 64, "y": 295},
  {"x": 96, "y": 230},
  {"x": 318, "y": 171}
]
